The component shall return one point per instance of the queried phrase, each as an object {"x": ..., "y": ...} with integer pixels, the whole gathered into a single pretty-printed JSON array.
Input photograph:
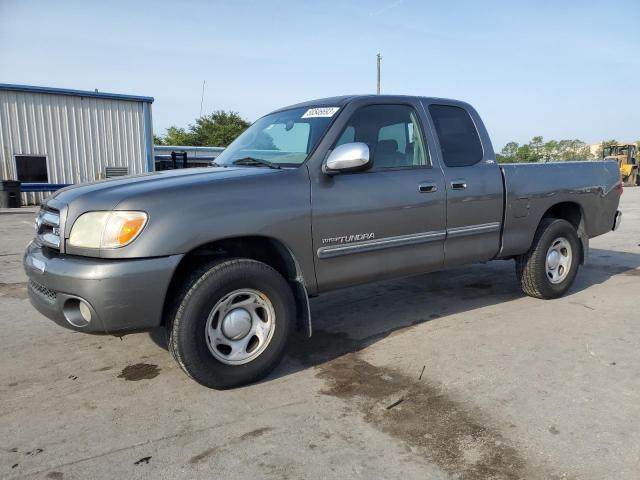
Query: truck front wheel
[
  {"x": 231, "y": 322},
  {"x": 550, "y": 266}
]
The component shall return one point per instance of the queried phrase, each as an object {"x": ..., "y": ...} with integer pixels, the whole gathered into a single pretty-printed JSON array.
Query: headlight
[{"x": 107, "y": 229}]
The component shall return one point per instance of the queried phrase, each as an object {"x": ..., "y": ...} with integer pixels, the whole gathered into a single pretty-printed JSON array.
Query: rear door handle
[
  {"x": 458, "y": 184},
  {"x": 427, "y": 187}
]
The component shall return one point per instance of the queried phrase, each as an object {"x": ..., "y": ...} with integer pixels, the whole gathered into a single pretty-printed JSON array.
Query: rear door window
[{"x": 458, "y": 136}]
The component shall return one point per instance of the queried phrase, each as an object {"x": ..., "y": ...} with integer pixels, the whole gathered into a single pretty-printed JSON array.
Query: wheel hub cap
[
  {"x": 559, "y": 260},
  {"x": 240, "y": 326},
  {"x": 553, "y": 259},
  {"x": 236, "y": 324}
]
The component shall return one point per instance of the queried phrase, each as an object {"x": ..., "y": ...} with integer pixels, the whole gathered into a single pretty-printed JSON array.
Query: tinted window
[
  {"x": 348, "y": 136},
  {"x": 397, "y": 132},
  {"x": 32, "y": 169},
  {"x": 392, "y": 133},
  {"x": 287, "y": 138},
  {"x": 458, "y": 136}
]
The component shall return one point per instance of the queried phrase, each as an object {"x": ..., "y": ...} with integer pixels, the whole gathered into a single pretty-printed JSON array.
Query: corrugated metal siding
[{"x": 80, "y": 136}]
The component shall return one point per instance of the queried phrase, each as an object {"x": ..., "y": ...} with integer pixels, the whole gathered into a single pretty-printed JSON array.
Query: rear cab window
[{"x": 459, "y": 140}]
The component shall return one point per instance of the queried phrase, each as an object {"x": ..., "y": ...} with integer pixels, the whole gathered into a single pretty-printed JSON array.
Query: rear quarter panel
[{"x": 532, "y": 189}]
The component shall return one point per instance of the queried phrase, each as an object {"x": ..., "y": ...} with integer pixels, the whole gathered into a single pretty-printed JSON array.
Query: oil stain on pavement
[
  {"x": 429, "y": 421},
  {"x": 425, "y": 418},
  {"x": 140, "y": 371},
  {"x": 201, "y": 457},
  {"x": 213, "y": 451}
]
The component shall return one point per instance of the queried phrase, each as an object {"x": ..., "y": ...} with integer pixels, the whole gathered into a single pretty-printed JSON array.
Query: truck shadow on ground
[{"x": 348, "y": 320}]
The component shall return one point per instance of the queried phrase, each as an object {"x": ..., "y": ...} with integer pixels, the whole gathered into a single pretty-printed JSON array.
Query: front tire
[
  {"x": 550, "y": 266},
  {"x": 230, "y": 324}
]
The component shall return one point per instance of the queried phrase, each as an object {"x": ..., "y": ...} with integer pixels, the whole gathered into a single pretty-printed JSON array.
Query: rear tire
[
  {"x": 550, "y": 266},
  {"x": 230, "y": 323}
]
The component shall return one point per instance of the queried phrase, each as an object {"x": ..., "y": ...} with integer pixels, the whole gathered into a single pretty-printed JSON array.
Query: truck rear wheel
[
  {"x": 550, "y": 266},
  {"x": 231, "y": 322}
]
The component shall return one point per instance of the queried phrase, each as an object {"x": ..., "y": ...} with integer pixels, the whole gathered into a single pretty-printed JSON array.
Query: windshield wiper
[{"x": 256, "y": 162}]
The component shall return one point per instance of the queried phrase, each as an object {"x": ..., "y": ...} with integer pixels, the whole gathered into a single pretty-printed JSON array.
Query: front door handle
[
  {"x": 427, "y": 187},
  {"x": 458, "y": 184}
]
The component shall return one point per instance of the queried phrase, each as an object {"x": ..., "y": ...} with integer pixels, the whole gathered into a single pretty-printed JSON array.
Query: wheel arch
[
  {"x": 268, "y": 250},
  {"x": 573, "y": 213}
]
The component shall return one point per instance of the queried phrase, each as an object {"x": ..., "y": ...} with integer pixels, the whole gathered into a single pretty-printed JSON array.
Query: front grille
[
  {"x": 48, "y": 227},
  {"x": 43, "y": 292}
]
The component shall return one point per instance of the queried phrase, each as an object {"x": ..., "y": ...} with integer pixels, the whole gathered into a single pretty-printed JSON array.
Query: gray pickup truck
[{"x": 313, "y": 197}]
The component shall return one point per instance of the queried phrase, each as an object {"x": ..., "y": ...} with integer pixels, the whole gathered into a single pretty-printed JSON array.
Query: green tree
[
  {"x": 510, "y": 149},
  {"x": 537, "y": 147},
  {"x": 218, "y": 129},
  {"x": 177, "y": 136},
  {"x": 526, "y": 154},
  {"x": 575, "y": 150},
  {"x": 508, "y": 153},
  {"x": 552, "y": 151}
]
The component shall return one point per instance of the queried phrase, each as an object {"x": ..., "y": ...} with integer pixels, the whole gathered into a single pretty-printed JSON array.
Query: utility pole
[
  {"x": 202, "y": 97},
  {"x": 378, "y": 58}
]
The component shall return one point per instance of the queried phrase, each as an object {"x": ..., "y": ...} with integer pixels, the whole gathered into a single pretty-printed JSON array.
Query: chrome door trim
[
  {"x": 473, "y": 229},
  {"x": 405, "y": 240},
  {"x": 387, "y": 242}
]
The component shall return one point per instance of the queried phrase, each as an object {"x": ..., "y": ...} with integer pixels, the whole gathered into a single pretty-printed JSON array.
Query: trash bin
[{"x": 9, "y": 194}]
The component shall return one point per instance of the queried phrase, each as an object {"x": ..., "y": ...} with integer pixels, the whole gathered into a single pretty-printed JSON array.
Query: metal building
[{"x": 60, "y": 136}]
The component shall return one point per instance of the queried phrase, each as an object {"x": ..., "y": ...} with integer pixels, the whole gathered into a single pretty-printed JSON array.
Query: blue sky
[{"x": 567, "y": 69}]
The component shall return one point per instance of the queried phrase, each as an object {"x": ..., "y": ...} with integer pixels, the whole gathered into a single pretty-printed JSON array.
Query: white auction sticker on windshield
[{"x": 320, "y": 112}]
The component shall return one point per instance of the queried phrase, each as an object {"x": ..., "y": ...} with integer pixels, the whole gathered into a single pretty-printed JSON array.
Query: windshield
[{"x": 282, "y": 138}]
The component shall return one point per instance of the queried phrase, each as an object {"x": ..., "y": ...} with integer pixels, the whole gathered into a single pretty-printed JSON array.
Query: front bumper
[{"x": 117, "y": 295}]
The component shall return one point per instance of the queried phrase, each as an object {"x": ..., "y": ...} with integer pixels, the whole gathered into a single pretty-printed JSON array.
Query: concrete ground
[{"x": 448, "y": 375}]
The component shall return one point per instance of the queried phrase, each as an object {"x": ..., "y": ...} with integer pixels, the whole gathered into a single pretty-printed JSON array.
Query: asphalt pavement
[{"x": 454, "y": 374}]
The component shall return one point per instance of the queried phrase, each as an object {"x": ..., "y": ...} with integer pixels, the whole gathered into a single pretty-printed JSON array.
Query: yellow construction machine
[{"x": 625, "y": 155}]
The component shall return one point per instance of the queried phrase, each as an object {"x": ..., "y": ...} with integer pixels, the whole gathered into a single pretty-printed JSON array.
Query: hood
[
  {"x": 146, "y": 188},
  {"x": 108, "y": 193}
]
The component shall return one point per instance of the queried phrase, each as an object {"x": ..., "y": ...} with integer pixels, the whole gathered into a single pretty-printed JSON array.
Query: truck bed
[{"x": 531, "y": 189}]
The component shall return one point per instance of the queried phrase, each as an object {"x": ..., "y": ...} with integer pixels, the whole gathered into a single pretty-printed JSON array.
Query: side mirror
[{"x": 349, "y": 157}]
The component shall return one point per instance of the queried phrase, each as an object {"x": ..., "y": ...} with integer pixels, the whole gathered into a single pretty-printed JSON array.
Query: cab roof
[{"x": 341, "y": 101}]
